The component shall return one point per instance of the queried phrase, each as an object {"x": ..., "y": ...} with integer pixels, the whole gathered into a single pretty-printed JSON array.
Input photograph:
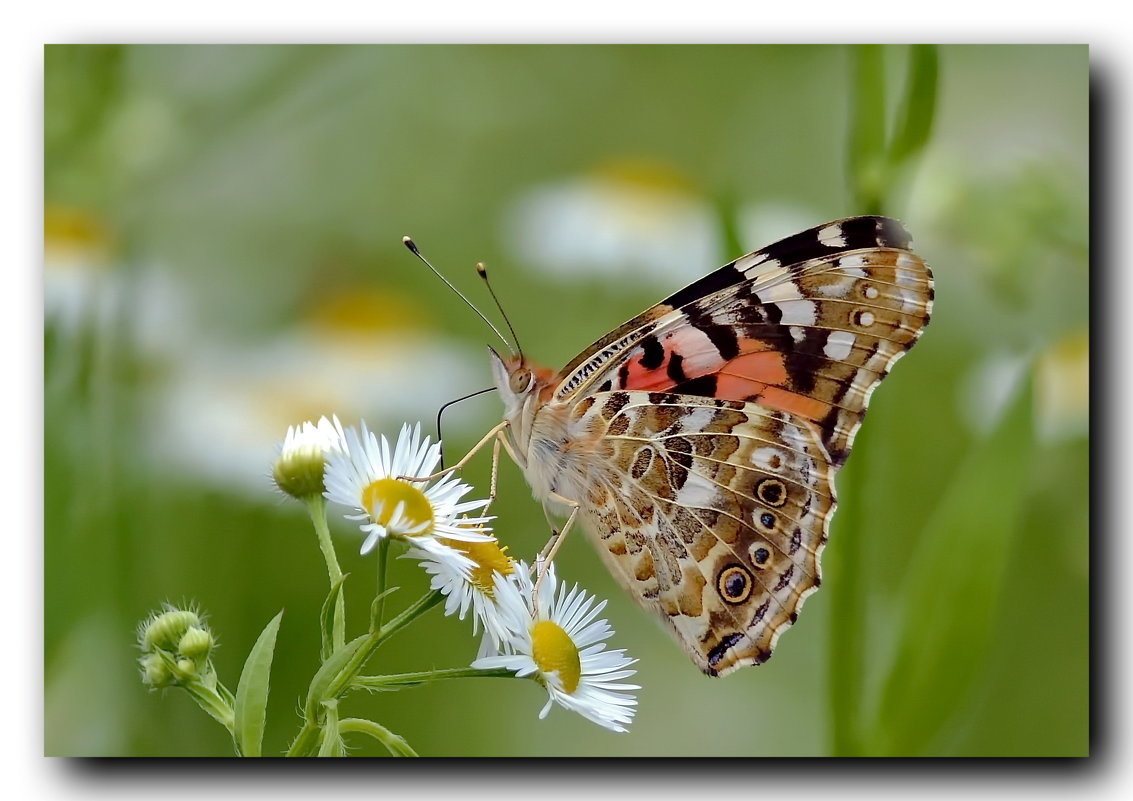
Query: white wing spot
[
  {"x": 697, "y": 491},
  {"x": 764, "y": 458},
  {"x": 870, "y": 292},
  {"x": 780, "y": 292},
  {"x": 831, "y": 236},
  {"x": 798, "y": 312},
  {"x": 760, "y": 260},
  {"x": 909, "y": 302},
  {"x": 907, "y": 262},
  {"x": 865, "y": 319},
  {"x": 839, "y": 345},
  {"x": 839, "y": 288}
]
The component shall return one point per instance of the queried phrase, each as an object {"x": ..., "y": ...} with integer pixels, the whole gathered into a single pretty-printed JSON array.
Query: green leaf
[
  {"x": 330, "y": 669},
  {"x": 326, "y": 618},
  {"x": 952, "y": 588},
  {"x": 918, "y": 107},
  {"x": 252, "y": 691}
]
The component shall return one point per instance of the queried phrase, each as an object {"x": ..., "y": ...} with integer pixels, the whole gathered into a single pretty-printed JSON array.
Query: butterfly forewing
[{"x": 812, "y": 338}]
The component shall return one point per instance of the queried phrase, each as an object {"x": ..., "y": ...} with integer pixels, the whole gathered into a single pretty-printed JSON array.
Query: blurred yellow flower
[{"x": 1062, "y": 388}]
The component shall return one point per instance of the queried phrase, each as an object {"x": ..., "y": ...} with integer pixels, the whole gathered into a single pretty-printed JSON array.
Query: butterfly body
[{"x": 700, "y": 439}]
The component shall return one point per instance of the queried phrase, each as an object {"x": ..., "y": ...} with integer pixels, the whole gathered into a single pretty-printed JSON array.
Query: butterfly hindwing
[{"x": 713, "y": 513}]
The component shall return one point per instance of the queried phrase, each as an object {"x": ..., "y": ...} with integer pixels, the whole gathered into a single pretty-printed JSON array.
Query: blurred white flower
[
  {"x": 627, "y": 221},
  {"x": 989, "y": 387},
  {"x": 760, "y": 224},
  {"x": 347, "y": 360},
  {"x": 1060, "y": 378}
]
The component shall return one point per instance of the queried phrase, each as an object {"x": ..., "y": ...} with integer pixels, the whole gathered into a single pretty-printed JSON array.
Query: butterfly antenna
[
  {"x": 441, "y": 411},
  {"x": 482, "y": 270},
  {"x": 409, "y": 243}
]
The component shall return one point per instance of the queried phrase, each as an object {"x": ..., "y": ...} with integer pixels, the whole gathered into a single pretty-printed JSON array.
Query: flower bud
[
  {"x": 302, "y": 459},
  {"x": 166, "y": 629},
  {"x": 155, "y": 672},
  {"x": 195, "y": 644}
]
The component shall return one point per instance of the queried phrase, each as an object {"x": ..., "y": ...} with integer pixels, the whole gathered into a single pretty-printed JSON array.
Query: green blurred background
[{"x": 223, "y": 259}]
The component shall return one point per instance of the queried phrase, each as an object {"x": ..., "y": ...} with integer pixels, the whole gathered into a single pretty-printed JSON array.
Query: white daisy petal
[
  {"x": 365, "y": 476},
  {"x": 572, "y": 663},
  {"x": 463, "y": 570}
]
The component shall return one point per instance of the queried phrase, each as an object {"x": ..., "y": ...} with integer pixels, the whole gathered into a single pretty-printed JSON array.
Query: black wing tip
[{"x": 867, "y": 231}]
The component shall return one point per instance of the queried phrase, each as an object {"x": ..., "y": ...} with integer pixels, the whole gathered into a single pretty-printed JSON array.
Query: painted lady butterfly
[{"x": 698, "y": 442}]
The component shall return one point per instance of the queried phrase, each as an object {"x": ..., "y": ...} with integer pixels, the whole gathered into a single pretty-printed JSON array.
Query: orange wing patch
[{"x": 794, "y": 403}]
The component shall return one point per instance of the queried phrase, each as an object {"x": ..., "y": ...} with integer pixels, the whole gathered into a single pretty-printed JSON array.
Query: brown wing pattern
[{"x": 712, "y": 513}]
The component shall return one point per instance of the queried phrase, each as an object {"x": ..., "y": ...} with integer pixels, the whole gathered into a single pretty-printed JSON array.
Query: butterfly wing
[
  {"x": 721, "y": 416},
  {"x": 712, "y": 513},
  {"x": 809, "y": 325}
]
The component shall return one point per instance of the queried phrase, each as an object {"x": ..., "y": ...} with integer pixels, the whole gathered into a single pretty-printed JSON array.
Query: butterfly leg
[
  {"x": 495, "y": 433},
  {"x": 501, "y": 439},
  {"x": 547, "y": 555},
  {"x": 495, "y": 473}
]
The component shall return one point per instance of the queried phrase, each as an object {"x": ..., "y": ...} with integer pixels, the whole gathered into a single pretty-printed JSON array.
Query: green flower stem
[
  {"x": 847, "y": 608},
  {"x": 378, "y": 611},
  {"x": 331, "y": 745},
  {"x": 350, "y": 672},
  {"x": 308, "y": 736},
  {"x": 225, "y": 694},
  {"x": 317, "y": 506},
  {"x": 394, "y": 742},
  {"x": 306, "y": 740},
  {"x": 866, "y": 157},
  {"x": 214, "y": 703},
  {"x": 420, "y": 607},
  {"x": 414, "y": 679}
]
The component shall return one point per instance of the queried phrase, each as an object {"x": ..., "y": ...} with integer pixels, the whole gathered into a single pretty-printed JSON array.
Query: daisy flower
[
  {"x": 365, "y": 477},
  {"x": 465, "y": 573},
  {"x": 298, "y": 470},
  {"x": 562, "y": 647}
]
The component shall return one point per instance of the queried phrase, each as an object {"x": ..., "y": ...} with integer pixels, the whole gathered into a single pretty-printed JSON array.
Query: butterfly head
[{"x": 522, "y": 387}]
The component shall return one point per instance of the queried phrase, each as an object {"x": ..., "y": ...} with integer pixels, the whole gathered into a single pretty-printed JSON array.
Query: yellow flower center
[
  {"x": 490, "y": 559},
  {"x": 553, "y": 649},
  {"x": 383, "y": 496}
]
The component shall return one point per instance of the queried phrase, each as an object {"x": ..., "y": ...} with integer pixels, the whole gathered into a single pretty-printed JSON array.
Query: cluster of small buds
[{"x": 176, "y": 645}]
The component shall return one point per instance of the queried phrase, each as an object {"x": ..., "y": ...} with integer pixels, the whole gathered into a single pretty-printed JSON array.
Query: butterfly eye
[{"x": 520, "y": 380}]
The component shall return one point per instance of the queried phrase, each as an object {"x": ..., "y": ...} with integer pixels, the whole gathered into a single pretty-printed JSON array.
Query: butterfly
[{"x": 698, "y": 442}]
